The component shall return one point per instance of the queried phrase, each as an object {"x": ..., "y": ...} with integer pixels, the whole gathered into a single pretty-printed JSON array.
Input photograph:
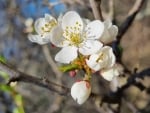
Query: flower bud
[
  {"x": 72, "y": 73},
  {"x": 81, "y": 91}
]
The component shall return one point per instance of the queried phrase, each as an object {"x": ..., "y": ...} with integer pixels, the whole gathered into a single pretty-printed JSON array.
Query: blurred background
[{"x": 16, "y": 21}]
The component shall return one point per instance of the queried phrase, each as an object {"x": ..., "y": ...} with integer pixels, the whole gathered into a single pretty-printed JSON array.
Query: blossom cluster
[{"x": 83, "y": 46}]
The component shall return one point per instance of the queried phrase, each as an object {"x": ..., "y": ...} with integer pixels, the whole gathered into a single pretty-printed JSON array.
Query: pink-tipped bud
[
  {"x": 80, "y": 91},
  {"x": 72, "y": 73}
]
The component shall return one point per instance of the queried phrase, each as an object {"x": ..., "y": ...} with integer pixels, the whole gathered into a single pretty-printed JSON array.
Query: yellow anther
[
  {"x": 101, "y": 57},
  {"x": 77, "y": 22},
  {"x": 75, "y": 39}
]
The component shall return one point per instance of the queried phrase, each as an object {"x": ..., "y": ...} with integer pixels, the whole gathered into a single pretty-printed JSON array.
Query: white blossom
[
  {"x": 43, "y": 27},
  {"x": 80, "y": 91},
  {"x": 103, "y": 59},
  {"x": 110, "y": 32},
  {"x": 76, "y": 37}
]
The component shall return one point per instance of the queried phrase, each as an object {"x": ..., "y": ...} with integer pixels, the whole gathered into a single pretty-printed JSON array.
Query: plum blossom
[
  {"x": 43, "y": 27},
  {"x": 77, "y": 37},
  {"x": 110, "y": 32},
  {"x": 80, "y": 91},
  {"x": 103, "y": 59}
]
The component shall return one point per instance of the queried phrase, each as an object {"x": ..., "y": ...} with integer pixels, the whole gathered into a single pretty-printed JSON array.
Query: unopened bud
[
  {"x": 81, "y": 91},
  {"x": 72, "y": 73}
]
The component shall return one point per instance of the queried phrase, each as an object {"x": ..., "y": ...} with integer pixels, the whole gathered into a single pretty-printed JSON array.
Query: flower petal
[
  {"x": 70, "y": 19},
  {"x": 38, "y": 39},
  {"x": 107, "y": 23},
  {"x": 66, "y": 54},
  {"x": 108, "y": 74},
  {"x": 114, "y": 31},
  {"x": 112, "y": 58},
  {"x": 57, "y": 39},
  {"x": 39, "y": 23},
  {"x": 90, "y": 47},
  {"x": 94, "y": 29},
  {"x": 92, "y": 62},
  {"x": 49, "y": 18},
  {"x": 110, "y": 32}
]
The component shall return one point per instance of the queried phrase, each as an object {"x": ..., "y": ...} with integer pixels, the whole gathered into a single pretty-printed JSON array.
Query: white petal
[
  {"x": 94, "y": 29},
  {"x": 108, "y": 74},
  {"x": 57, "y": 39},
  {"x": 114, "y": 31},
  {"x": 66, "y": 54},
  {"x": 108, "y": 52},
  {"x": 92, "y": 62},
  {"x": 70, "y": 19},
  {"x": 110, "y": 33},
  {"x": 49, "y": 18},
  {"x": 86, "y": 21},
  {"x": 39, "y": 23},
  {"x": 112, "y": 58},
  {"x": 90, "y": 47},
  {"x": 107, "y": 23},
  {"x": 59, "y": 19},
  {"x": 38, "y": 39},
  {"x": 80, "y": 91}
]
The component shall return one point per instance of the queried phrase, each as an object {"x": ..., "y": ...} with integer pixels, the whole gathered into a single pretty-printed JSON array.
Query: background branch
[
  {"x": 95, "y": 5},
  {"x": 115, "y": 97},
  {"x": 16, "y": 75},
  {"x": 130, "y": 18},
  {"x": 112, "y": 97}
]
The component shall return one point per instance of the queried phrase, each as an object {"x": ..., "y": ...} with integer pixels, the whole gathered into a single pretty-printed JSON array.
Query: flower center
[
  {"x": 48, "y": 26},
  {"x": 75, "y": 39},
  {"x": 73, "y": 34}
]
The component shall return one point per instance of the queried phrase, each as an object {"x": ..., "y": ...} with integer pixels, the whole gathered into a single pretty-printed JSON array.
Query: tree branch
[
  {"x": 112, "y": 97},
  {"x": 95, "y": 5},
  {"x": 129, "y": 20},
  {"x": 16, "y": 75},
  {"x": 115, "y": 97}
]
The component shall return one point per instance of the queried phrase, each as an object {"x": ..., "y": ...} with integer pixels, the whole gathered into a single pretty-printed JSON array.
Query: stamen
[
  {"x": 73, "y": 34},
  {"x": 48, "y": 26},
  {"x": 101, "y": 57}
]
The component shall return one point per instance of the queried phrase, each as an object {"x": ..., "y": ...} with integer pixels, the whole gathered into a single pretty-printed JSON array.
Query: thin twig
[
  {"x": 95, "y": 5},
  {"x": 129, "y": 20},
  {"x": 58, "y": 75},
  {"x": 51, "y": 62},
  {"x": 112, "y": 10},
  {"x": 16, "y": 75}
]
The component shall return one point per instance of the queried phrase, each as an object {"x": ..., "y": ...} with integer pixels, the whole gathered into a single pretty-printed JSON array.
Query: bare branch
[
  {"x": 115, "y": 97},
  {"x": 129, "y": 20},
  {"x": 23, "y": 77},
  {"x": 95, "y": 5},
  {"x": 112, "y": 97},
  {"x": 112, "y": 10},
  {"x": 51, "y": 62},
  {"x": 58, "y": 74}
]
